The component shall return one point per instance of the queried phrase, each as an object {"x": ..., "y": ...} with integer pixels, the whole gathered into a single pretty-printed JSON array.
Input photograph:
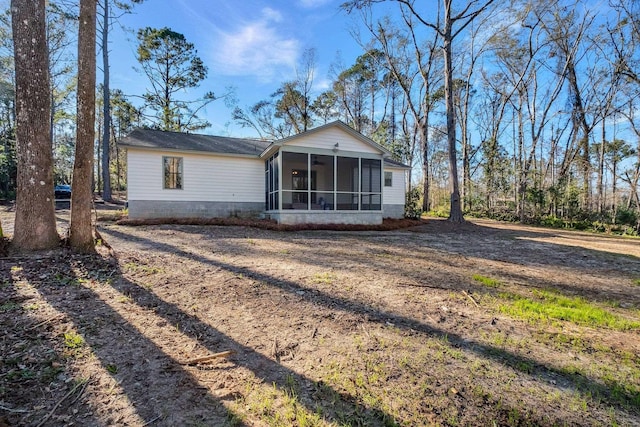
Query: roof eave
[
  {"x": 340, "y": 124},
  {"x": 188, "y": 151}
]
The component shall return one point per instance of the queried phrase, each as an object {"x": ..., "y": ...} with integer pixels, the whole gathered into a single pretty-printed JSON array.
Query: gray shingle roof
[
  {"x": 163, "y": 140},
  {"x": 391, "y": 162},
  {"x": 177, "y": 141}
]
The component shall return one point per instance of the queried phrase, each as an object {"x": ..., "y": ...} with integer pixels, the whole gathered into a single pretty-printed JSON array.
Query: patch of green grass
[
  {"x": 277, "y": 407},
  {"x": 486, "y": 281},
  {"x": 548, "y": 305},
  {"x": 323, "y": 278},
  {"x": 636, "y": 282},
  {"x": 50, "y": 373},
  {"x": 73, "y": 340},
  {"x": 139, "y": 268},
  {"x": 9, "y": 306}
]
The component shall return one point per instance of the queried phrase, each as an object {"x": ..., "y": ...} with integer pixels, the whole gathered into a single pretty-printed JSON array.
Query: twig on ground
[
  {"x": 14, "y": 411},
  {"x": 66, "y": 396},
  {"x": 44, "y": 322},
  {"x": 210, "y": 358},
  {"x": 274, "y": 349},
  {"x": 419, "y": 285},
  {"x": 471, "y": 298},
  {"x": 365, "y": 331},
  {"x": 86, "y": 384},
  {"x": 148, "y": 423}
]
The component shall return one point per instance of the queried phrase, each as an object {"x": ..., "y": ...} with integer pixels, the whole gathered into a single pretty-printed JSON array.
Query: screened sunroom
[{"x": 302, "y": 186}]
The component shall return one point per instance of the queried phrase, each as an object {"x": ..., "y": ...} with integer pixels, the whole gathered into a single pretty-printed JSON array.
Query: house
[{"x": 329, "y": 174}]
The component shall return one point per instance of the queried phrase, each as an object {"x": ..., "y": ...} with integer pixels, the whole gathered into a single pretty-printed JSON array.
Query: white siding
[
  {"x": 205, "y": 178},
  {"x": 328, "y": 138},
  {"x": 394, "y": 195}
]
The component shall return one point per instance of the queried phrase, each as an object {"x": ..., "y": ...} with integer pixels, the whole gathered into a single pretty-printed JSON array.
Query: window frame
[
  {"x": 389, "y": 175},
  {"x": 179, "y": 181}
]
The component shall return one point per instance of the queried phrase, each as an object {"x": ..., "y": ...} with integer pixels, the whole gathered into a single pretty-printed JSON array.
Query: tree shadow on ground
[
  {"x": 499, "y": 247},
  {"x": 147, "y": 377},
  {"x": 34, "y": 388},
  {"x": 565, "y": 379}
]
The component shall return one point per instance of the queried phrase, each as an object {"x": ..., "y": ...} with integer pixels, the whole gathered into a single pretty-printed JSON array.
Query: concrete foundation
[
  {"x": 326, "y": 217},
  {"x": 144, "y": 209},
  {"x": 393, "y": 211}
]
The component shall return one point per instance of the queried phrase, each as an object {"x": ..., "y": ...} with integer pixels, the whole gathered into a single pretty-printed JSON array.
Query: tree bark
[
  {"x": 106, "y": 97},
  {"x": 426, "y": 173},
  {"x": 81, "y": 232},
  {"x": 35, "y": 223},
  {"x": 455, "y": 213},
  {"x": 603, "y": 143}
]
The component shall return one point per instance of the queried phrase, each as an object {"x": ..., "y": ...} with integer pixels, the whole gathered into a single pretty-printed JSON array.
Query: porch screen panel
[
  {"x": 371, "y": 197},
  {"x": 348, "y": 184},
  {"x": 272, "y": 182},
  {"x": 267, "y": 184},
  {"x": 295, "y": 181},
  {"x": 322, "y": 185}
]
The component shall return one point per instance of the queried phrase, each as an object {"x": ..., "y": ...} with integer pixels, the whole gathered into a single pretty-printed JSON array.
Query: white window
[
  {"x": 388, "y": 179},
  {"x": 172, "y": 173}
]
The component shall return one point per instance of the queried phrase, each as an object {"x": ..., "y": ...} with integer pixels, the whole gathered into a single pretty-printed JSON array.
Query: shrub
[
  {"x": 626, "y": 217},
  {"x": 412, "y": 206}
]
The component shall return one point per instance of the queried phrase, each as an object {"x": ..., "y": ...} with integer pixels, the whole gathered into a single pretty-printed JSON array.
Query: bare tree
[
  {"x": 449, "y": 26},
  {"x": 414, "y": 67},
  {"x": 35, "y": 224},
  {"x": 105, "y": 26},
  {"x": 81, "y": 232}
]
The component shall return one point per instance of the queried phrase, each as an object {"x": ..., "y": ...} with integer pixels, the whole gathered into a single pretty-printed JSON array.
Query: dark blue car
[{"x": 63, "y": 191}]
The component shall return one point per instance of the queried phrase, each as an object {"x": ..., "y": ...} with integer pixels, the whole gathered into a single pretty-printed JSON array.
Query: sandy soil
[{"x": 325, "y": 328}]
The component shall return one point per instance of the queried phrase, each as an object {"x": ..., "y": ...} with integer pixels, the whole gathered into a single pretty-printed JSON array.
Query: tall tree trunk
[
  {"x": 601, "y": 169},
  {"x": 81, "y": 233},
  {"x": 455, "y": 213},
  {"x": 426, "y": 175},
  {"x": 614, "y": 187},
  {"x": 581, "y": 118},
  {"x": 106, "y": 108},
  {"x": 466, "y": 168},
  {"x": 35, "y": 223}
]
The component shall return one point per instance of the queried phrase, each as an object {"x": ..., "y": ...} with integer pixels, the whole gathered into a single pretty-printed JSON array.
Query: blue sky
[{"x": 253, "y": 45}]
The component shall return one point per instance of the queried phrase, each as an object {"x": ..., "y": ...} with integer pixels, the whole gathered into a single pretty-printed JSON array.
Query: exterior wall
[
  {"x": 220, "y": 183},
  {"x": 325, "y": 217},
  {"x": 221, "y": 186},
  {"x": 328, "y": 138},
  {"x": 393, "y": 198},
  {"x": 139, "y": 209},
  {"x": 393, "y": 211},
  {"x": 205, "y": 178}
]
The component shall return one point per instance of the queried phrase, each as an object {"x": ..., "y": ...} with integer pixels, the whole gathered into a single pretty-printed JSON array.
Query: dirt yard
[{"x": 485, "y": 324}]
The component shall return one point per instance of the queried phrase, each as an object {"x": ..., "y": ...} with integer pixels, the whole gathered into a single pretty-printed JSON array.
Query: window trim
[
  {"x": 390, "y": 175},
  {"x": 179, "y": 173}
]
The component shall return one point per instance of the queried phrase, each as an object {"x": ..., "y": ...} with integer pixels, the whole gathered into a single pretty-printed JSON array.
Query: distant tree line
[
  {"x": 543, "y": 105},
  {"x": 523, "y": 110}
]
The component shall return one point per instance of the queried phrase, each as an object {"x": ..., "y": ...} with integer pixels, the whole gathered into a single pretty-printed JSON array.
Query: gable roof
[
  {"x": 193, "y": 142},
  {"x": 177, "y": 141},
  {"x": 339, "y": 124}
]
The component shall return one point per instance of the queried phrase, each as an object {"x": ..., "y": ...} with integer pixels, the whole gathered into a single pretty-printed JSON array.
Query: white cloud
[
  {"x": 257, "y": 48},
  {"x": 311, "y": 4},
  {"x": 320, "y": 85},
  {"x": 271, "y": 14}
]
